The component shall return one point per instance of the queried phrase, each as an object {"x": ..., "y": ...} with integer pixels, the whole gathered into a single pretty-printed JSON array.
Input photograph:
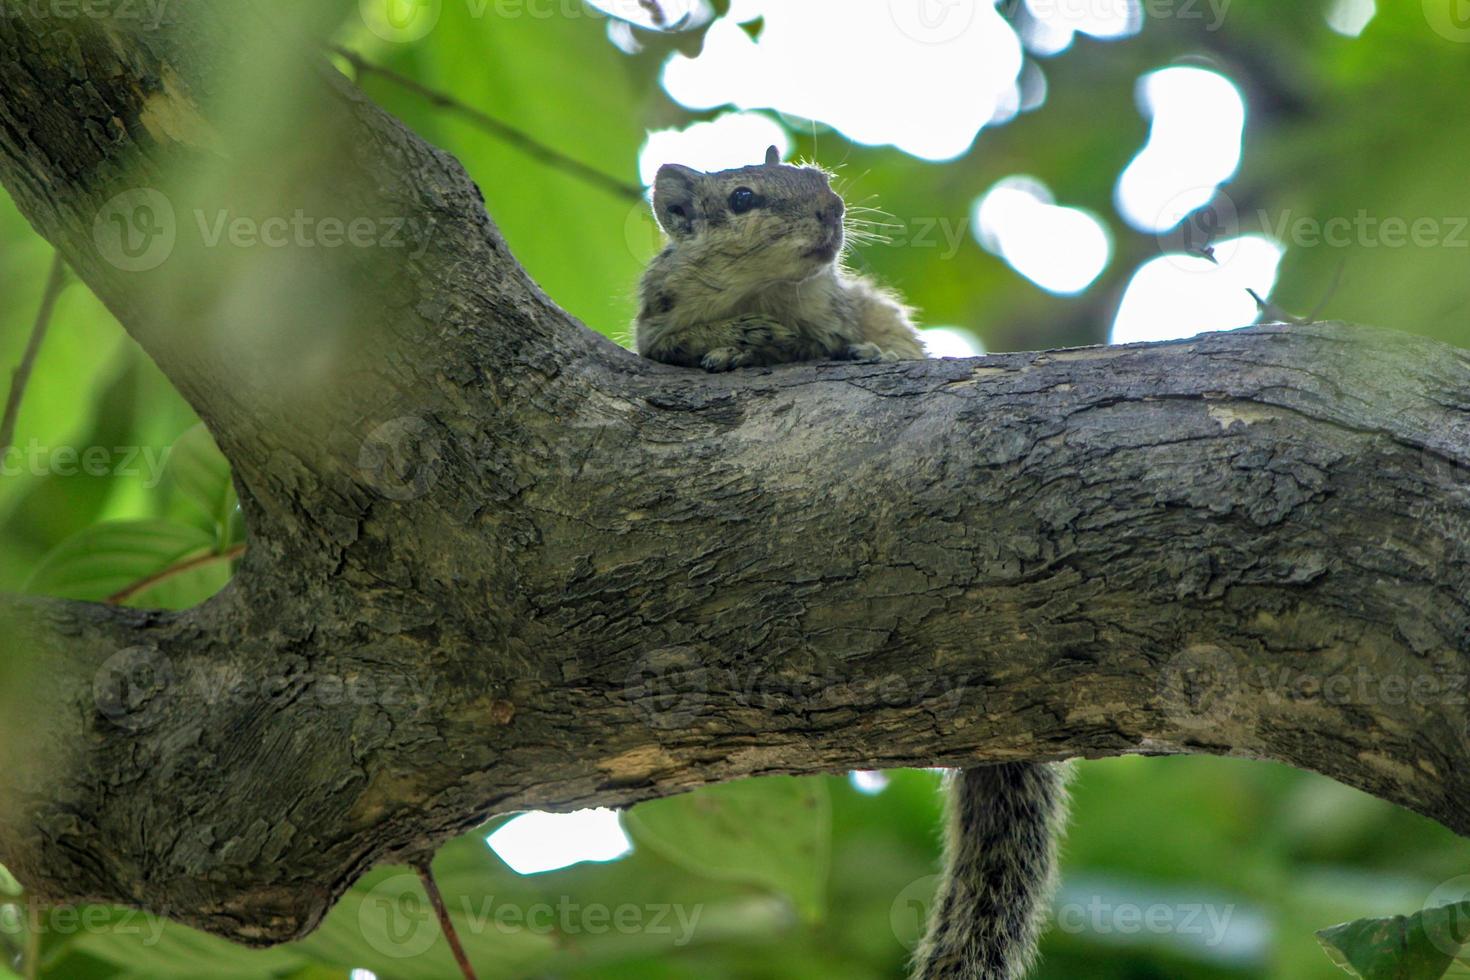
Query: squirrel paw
[
  {"x": 868, "y": 352},
  {"x": 726, "y": 359}
]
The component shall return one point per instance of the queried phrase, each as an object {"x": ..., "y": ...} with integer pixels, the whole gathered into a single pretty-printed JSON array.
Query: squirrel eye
[
  {"x": 742, "y": 200},
  {"x": 677, "y": 211}
]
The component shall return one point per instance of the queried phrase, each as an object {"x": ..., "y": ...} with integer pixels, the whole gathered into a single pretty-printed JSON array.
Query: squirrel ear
[
  {"x": 673, "y": 198},
  {"x": 773, "y": 157}
]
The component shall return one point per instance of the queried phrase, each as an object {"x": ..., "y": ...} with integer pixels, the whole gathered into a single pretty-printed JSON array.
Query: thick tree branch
[{"x": 507, "y": 565}]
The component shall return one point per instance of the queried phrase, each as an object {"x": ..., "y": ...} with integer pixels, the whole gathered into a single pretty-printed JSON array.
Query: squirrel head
[{"x": 752, "y": 225}]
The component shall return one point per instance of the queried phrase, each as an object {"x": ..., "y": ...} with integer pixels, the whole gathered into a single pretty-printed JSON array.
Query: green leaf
[
  {"x": 566, "y": 88},
  {"x": 754, "y": 27},
  {"x": 384, "y": 924},
  {"x": 1422, "y": 946},
  {"x": 774, "y": 832},
  {"x": 108, "y": 558},
  {"x": 49, "y": 504},
  {"x": 201, "y": 474},
  {"x": 149, "y": 946},
  {"x": 315, "y": 972}
]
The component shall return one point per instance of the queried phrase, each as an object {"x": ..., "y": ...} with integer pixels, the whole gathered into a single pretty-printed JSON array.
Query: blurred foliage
[
  {"x": 772, "y": 832},
  {"x": 1177, "y": 868}
]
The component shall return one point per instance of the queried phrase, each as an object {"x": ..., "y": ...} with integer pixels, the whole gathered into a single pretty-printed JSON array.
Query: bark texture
[{"x": 498, "y": 562}]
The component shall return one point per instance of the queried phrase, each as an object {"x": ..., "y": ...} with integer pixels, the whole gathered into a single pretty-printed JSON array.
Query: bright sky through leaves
[
  {"x": 934, "y": 79},
  {"x": 537, "y": 842}
]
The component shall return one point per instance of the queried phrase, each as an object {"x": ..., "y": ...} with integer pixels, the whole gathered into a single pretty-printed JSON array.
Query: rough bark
[{"x": 500, "y": 563}]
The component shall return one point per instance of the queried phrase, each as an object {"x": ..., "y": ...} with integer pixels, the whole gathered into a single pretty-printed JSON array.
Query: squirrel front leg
[
  {"x": 885, "y": 327},
  {"x": 872, "y": 352},
  {"x": 723, "y": 345}
]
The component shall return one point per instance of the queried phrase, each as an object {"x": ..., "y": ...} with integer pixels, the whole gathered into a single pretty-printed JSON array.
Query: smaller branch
[
  {"x": 661, "y": 19},
  {"x": 446, "y": 925},
  {"x": 142, "y": 585},
  {"x": 55, "y": 280},
  {"x": 33, "y": 948},
  {"x": 13, "y": 951},
  {"x": 1271, "y": 309},
  {"x": 515, "y": 137},
  {"x": 1321, "y": 307},
  {"x": 655, "y": 13}
]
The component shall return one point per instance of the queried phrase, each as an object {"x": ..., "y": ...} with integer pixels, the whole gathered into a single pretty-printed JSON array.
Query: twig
[
  {"x": 142, "y": 585},
  {"x": 1331, "y": 289},
  {"x": 1271, "y": 308},
  {"x": 33, "y": 948},
  {"x": 655, "y": 12},
  {"x": 446, "y": 925},
  {"x": 14, "y": 951},
  {"x": 13, "y": 954},
  {"x": 55, "y": 280},
  {"x": 515, "y": 137}
]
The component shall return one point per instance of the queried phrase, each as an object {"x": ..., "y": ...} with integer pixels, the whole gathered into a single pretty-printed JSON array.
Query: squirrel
[{"x": 752, "y": 276}]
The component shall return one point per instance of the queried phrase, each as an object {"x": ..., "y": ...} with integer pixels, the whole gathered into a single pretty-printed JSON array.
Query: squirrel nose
[{"x": 831, "y": 212}]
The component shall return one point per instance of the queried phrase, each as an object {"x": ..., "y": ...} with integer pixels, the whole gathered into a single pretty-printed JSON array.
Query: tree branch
[
  {"x": 173, "y": 571},
  {"x": 446, "y": 924},
  {"x": 528, "y": 144},
  {"x": 21, "y": 376},
  {"x": 503, "y": 564}
]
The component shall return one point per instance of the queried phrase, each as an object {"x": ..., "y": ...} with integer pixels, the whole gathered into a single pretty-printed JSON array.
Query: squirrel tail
[{"x": 1000, "y": 869}]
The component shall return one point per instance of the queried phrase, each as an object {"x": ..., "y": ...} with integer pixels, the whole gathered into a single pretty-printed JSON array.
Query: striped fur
[{"x": 1000, "y": 870}]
